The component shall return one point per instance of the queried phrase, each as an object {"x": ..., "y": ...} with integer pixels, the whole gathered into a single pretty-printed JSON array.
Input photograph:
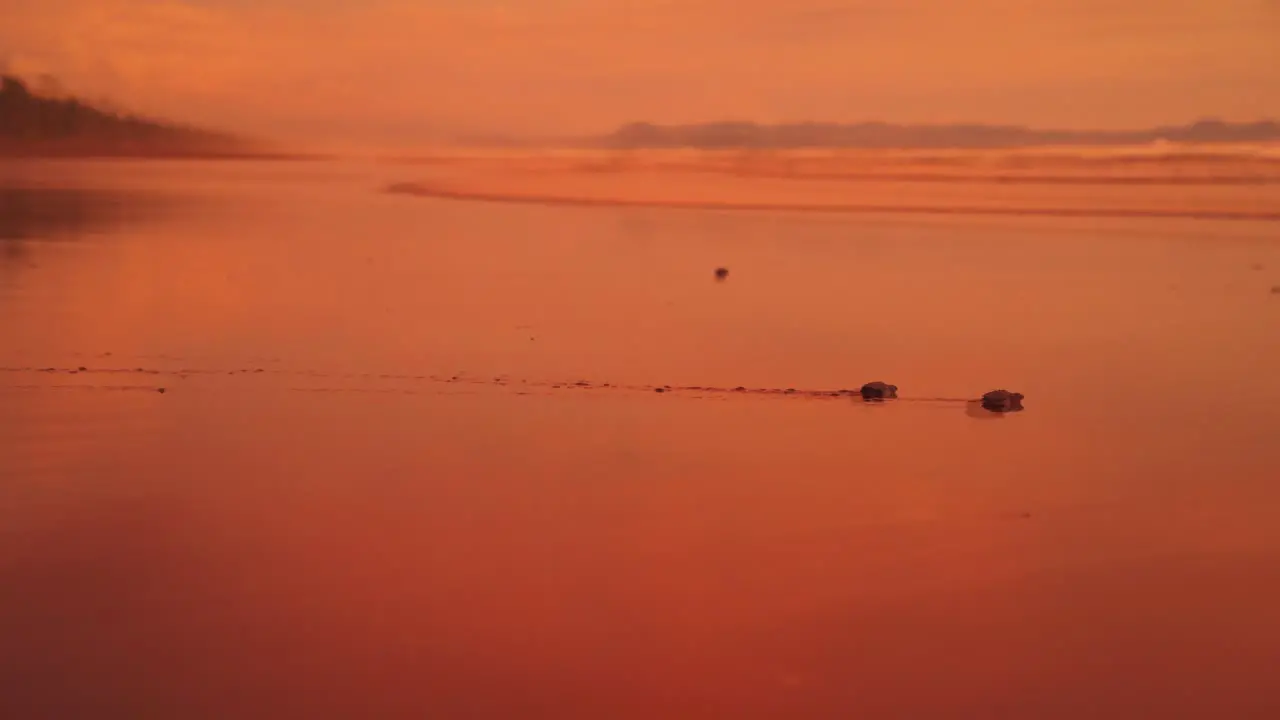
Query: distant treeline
[
  {"x": 31, "y": 124},
  {"x": 888, "y": 135}
]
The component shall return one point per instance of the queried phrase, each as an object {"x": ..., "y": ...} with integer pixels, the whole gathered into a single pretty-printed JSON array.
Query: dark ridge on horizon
[
  {"x": 882, "y": 135},
  {"x": 36, "y": 125}
]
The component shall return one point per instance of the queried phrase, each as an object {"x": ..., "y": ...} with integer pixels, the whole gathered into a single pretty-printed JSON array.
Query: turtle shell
[
  {"x": 1002, "y": 401},
  {"x": 878, "y": 391}
]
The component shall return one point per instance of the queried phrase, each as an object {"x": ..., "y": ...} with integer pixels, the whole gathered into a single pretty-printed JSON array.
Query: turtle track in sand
[{"x": 85, "y": 377}]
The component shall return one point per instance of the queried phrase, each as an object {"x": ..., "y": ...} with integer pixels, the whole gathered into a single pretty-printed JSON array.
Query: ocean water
[{"x": 276, "y": 443}]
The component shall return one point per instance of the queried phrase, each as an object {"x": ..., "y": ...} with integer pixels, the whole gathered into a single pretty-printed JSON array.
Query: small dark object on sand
[
  {"x": 659, "y": 390},
  {"x": 82, "y": 369},
  {"x": 878, "y": 391},
  {"x": 160, "y": 390},
  {"x": 1002, "y": 401},
  {"x": 1275, "y": 289},
  {"x": 722, "y": 273}
]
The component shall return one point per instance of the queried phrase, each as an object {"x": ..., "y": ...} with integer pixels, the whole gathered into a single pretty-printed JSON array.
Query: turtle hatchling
[
  {"x": 878, "y": 391},
  {"x": 1002, "y": 401}
]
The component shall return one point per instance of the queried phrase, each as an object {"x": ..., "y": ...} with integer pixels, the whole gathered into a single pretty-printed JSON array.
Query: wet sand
[
  {"x": 1206, "y": 183},
  {"x": 410, "y": 461}
]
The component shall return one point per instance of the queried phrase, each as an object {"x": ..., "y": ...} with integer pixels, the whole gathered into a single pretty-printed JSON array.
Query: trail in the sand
[{"x": 501, "y": 381}]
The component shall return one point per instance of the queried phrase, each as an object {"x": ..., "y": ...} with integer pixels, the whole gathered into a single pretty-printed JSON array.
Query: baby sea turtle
[
  {"x": 878, "y": 391},
  {"x": 1002, "y": 401}
]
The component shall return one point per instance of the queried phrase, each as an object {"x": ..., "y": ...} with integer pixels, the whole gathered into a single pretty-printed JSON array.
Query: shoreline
[{"x": 444, "y": 193}]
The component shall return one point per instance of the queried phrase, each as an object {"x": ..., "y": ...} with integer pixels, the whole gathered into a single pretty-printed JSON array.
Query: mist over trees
[{"x": 40, "y": 120}]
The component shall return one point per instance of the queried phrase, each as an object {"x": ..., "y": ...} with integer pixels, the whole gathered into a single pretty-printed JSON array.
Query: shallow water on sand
[{"x": 409, "y": 460}]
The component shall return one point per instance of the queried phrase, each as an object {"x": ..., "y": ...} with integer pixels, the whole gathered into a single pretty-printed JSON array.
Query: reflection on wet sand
[
  {"x": 65, "y": 213},
  {"x": 31, "y": 215},
  {"x": 974, "y": 409}
]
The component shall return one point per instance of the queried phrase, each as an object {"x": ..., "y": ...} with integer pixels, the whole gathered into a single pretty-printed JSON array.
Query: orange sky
[{"x": 391, "y": 71}]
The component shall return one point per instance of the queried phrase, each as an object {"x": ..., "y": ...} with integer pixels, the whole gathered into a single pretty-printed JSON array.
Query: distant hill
[
  {"x": 33, "y": 125},
  {"x": 886, "y": 135}
]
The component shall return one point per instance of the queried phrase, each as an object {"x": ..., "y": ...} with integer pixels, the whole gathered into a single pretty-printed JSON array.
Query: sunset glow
[{"x": 400, "y": 71}]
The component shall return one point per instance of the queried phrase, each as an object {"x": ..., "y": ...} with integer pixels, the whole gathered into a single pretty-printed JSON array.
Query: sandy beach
[{"x": 410, "y": 458}]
